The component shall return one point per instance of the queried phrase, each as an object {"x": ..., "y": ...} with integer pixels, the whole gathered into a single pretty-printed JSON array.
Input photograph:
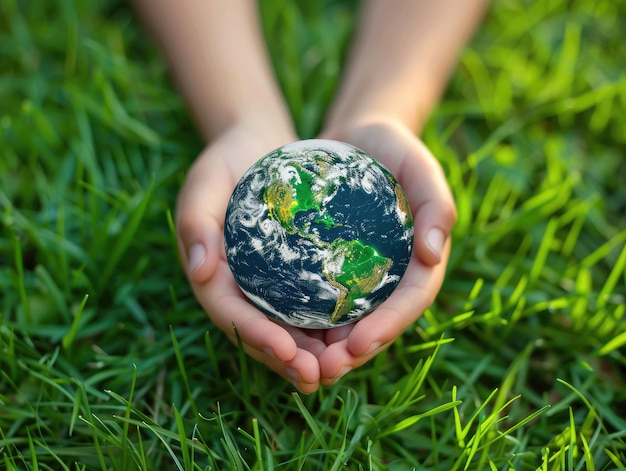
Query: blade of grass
[
  {"x": 21, "y": 282},
  {"x": 232, "y": 450},
  {"x": 211, "y": 351},
  {"x": 68, "y": 339},
  {"x": 526, "y": 420},
  {"x": 125, "y": 238},
  {"x": 157, "y": 433},
  {"x": 184, "y": 449},
  {"x": 617, "y": 272},
  {"x": 257, "y": 443},
  {"x": 615, "y": 459},
  {"x": 44, "y": 277},
  {"x": 409, "y": 421},
  {"x": 183, "y": 371},
  {"x": 125, "y": 426},
  {"x": 33, "y": 454},
  {"x": 613, "y": 344},
  {"x": 243, "y": 367},
  {"x": 572, "y": 448},
  {"x": 89, "y": 417},
  {"x": 318, "y": 433},
  {"x": 544, "y": 249},
  {"x": 601, "y": 252}
]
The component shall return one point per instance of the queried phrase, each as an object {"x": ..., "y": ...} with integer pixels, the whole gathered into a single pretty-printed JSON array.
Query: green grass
[{"x": 106, "y": 360}]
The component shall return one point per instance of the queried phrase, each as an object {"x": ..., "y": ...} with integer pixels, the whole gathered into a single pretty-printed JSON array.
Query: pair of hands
[{"x": 310, "y": 358}]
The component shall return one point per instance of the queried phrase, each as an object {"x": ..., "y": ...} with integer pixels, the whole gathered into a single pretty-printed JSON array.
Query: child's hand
[
  {"x": 434, "y": 215},
  {"x": 201, "y": 208},
  {"x": 305, "y": 357}
]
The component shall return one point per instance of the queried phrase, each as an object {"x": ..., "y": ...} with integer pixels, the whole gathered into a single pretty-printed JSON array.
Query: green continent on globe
[
  {"x": 403, "y": 205},
  {"x": 285, "y": 199},
  {"x": 353, "y": 268},
  {"x": 281, "y": 205}
]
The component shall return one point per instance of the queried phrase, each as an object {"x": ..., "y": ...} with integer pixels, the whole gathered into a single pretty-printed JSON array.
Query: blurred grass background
[{"x": 107, "y": 362}]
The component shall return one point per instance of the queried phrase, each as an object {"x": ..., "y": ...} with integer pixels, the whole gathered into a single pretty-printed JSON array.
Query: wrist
[
  {"x": 402, "y": 56},
  {"x": 261, "y": 129},
  {"x": 346, "y": 129},
  {"x": 382, "y": 105},
  {"x": 268, "y": 117}
]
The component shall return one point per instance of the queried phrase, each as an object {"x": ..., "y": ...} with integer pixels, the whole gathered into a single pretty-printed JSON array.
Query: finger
[
  {"x": 302, "y": 371},
  {"x": 223, "y": 301},
  {"x": 198, "y": 247},
  {"x": 309, "y": 340},
  {"x": 375, "y": 332},
  {"x": 337, "y": 361},
  {"x": 288, "y": 351},
  {"x": 228, "y": 308},
  {"x": 415, "y": 293},
  {"x": 338, "y": 333},
  {"x": 201, "y": 207},
  {"x": 433, "y": 223},
  {"x": 430, "y": 198}
]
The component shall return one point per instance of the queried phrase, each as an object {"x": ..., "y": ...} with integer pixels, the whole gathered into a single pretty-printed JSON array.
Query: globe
[{"x": 318, "y": 234}]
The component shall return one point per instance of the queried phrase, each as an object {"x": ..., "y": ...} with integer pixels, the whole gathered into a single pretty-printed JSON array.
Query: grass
[{"x": 107, "y": 362}]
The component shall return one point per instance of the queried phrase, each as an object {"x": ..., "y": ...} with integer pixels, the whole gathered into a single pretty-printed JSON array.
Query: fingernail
[
  {"x": 375, "y": 346},
  {"x": 435, "y": 239},
  {"x": 197, "y": 256},
  {"x": 293, "y": 374},
  {"x": 269, "y": 352},
  {"x": 343, "y": 371}
]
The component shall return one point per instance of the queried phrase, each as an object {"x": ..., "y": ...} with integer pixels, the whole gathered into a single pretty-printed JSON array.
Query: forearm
[
  {"x": 217, "y": 57},
  {"x": 401, "y": 58}
]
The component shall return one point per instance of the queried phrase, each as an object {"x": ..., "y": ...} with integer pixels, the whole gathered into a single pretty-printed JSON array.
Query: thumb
[
  {"x": 433, "y": 222},
  {"x": 198, "y": 246},
  {"x": 428, "y": 193},
  {"x": 200, "y": 212}
]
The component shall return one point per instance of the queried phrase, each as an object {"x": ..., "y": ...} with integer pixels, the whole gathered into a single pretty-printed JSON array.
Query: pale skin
[{"x": 402, "y": 55}]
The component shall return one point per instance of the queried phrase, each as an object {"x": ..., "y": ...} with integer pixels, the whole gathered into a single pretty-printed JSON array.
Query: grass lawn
[{"x": 106, "y": 360}]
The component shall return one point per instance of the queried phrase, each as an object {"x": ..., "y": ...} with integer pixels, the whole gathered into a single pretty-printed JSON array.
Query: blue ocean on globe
[{"x": 318, "y": 234}]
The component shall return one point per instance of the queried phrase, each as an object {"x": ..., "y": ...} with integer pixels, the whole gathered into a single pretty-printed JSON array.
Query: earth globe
[{"x": 318, "y": 234}]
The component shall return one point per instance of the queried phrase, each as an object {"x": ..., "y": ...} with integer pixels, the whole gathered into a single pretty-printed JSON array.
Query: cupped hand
[
  {"x": 434, "y": 214},
  {"x": 305, "y": 357},
  {"x": 201, "y": 209}
]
